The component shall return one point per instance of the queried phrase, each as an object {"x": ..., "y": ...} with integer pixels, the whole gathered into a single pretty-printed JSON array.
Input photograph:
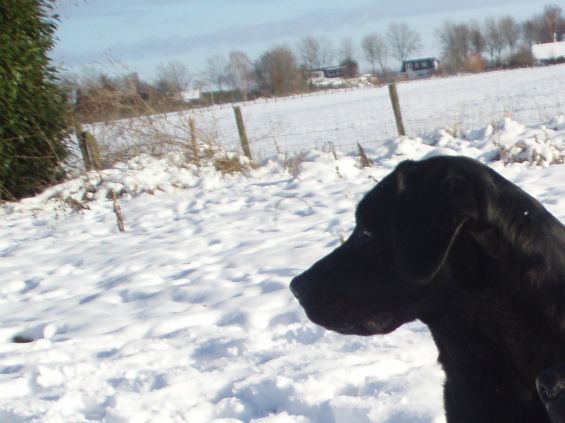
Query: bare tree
[
  {"x": 346, "y": 51},
  {"x": 510, "y": 32},
  {"x": 309, "y": 51},
  {"x": 241, "y": 71},
  {"x": 217, "y": 71},
  {"x": 403, "y": 41},
  {"x": 553, "y": 23},
  {"x": 315, "y": 52},
  {"x": 172, "y": 79},
  {"x": 456, "y": 45},
  {"x": 376, "y": 51},
  {"x": 477, "y": 39},
  {"x": 544, "y": 28},
  {"x": 327, "y": 52},
  {"x": 278, "y": 73},
  {"x": 494, "y": 40},
  {"x": 531, "y": 30}
]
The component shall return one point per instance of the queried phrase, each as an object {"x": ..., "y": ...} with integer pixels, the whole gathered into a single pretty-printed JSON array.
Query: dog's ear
[{"x": 431, "y": 207}]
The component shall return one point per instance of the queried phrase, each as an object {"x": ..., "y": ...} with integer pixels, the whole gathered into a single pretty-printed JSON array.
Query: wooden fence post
[
  {"x": 195, "y": 151},
  {"x": 242, "y": 133},
  {"x": 82, "y": 143},
  {"x": 88, "y": 148},
  {"x": 93, "y": 150},
  {"x": 393, "y": 93}
]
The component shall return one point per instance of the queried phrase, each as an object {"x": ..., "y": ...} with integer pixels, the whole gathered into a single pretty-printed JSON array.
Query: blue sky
[{"x": 120, "y": 36}]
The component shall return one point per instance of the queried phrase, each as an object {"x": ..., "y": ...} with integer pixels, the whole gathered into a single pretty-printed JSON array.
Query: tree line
[
  {"x": 281, "y": 70},
  {"x": 496, "y": 42},
  {"x": 37, "y": 119}
]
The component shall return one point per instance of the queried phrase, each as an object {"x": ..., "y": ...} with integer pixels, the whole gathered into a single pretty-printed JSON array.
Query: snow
[
  {"x": 187, "y": 317},
  {"x": 549, "y": 51},
  {"x": 344, "y": 117}
]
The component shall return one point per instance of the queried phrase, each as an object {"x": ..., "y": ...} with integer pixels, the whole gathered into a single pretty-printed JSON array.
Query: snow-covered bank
[{"x": 187, "y": 317}]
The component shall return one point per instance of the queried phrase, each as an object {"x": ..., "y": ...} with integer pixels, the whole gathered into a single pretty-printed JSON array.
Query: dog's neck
[
  {"x": 473, "y": 363},
  {"x": 523, "y": 337},
  {"x": 515, "y": 301}
]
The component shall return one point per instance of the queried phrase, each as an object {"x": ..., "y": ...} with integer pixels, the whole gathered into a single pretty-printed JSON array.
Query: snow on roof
[
  {"x": 549, "y": 50},
  {"x": 189, "y": 95},
  {"x": 416, "y": 59}
]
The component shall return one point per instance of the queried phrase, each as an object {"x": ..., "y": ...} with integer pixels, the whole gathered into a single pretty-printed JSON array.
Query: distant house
[
  {"x": 422, "y": 67},
  {"x": 549, "y": 53},
  {"x": 328, "y": 73},
  {"x": 190, "y": 95}
]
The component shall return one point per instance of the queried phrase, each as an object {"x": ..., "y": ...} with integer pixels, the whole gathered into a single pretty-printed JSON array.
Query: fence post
[
  {"x": 88, "y": 148},
  {"x": 94, "y": 151},
  {"x": 242, "y": 133},
  {"x": 195, "y": 151},
  {"x": 82, "y": 143},
  {"x": 393, "y": 93}
]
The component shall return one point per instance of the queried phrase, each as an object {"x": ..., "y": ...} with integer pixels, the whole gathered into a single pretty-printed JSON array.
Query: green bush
[{"x": 32, "y": 107}]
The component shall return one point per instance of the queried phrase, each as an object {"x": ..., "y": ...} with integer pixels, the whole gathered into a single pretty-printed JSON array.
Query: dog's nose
[{"x": 298, "y": 287}]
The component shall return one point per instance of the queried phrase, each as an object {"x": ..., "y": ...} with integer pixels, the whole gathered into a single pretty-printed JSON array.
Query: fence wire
[{"x": 344, "y": 117}]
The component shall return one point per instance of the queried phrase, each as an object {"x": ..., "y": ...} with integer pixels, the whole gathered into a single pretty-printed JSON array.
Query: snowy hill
[{"x": 186, "y": 316}]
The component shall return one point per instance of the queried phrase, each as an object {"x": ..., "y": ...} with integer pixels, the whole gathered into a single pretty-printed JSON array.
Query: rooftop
[{"x": 549, "y": 50}]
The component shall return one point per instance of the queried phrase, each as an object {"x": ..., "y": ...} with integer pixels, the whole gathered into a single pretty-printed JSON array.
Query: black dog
[
  {"x": 449, "y": 241},
  {"x": 551, "y": 387}
]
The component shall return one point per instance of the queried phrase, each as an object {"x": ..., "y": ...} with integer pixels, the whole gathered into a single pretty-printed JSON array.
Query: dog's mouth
[
  {"x": 344, "y": 318},
  {"x": 380, "y": 324},
  {"x": 383, "y": 323}
]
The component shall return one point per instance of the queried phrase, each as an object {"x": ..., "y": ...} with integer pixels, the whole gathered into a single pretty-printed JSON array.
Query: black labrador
[
  {"x": 551, "y": 387},
  {"x": 452, "y": 243}
]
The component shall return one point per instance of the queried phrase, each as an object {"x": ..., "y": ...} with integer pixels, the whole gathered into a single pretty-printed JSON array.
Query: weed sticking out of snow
[{"x": 537, "y": 147}]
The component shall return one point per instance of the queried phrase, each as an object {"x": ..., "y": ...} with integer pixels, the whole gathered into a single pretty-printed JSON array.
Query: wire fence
[{"x": 344, "y": 117}]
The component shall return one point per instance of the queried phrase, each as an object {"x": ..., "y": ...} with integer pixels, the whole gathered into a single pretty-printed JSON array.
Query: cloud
[
  {"x": 332, "y": 22},
  {"x": 321, "y": 20}
]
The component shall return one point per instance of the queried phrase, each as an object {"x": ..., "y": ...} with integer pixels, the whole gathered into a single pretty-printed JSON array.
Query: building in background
[
  {"x": 549, "y": 53},
  {"x": 422, "y": 67}
]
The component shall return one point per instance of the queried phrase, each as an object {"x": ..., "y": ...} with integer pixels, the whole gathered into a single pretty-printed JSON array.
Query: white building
[
  {"x": 190, "y": 95},
  {"x": 326, "y": 76},
  {"x": 549, "y": 52}
]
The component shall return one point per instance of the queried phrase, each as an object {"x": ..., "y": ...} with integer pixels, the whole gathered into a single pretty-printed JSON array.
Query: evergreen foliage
[{"x": 33, "y": 108}]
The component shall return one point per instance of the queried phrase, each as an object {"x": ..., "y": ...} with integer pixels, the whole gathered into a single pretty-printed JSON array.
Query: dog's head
[{"x": 384, "y": 275}]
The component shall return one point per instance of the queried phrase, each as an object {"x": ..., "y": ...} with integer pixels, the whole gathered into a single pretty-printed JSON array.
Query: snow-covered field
[
  {"x": 343, "y": 118},
  {"x": 186, "y": 316}
]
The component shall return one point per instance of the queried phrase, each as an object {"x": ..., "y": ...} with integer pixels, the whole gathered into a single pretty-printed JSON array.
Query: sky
[{"x": 122, "y": 36}]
